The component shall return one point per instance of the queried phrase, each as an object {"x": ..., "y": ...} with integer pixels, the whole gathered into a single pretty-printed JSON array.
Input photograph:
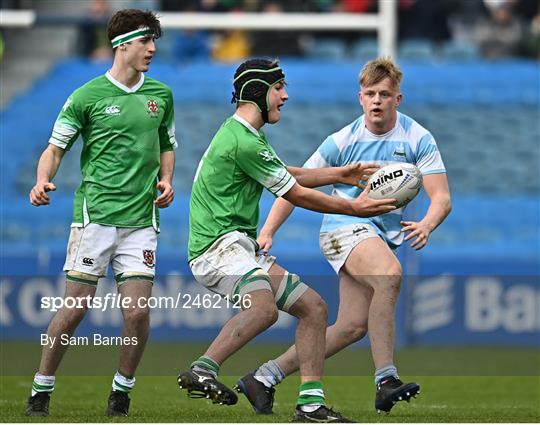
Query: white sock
[
  {"x": 121, "y": 383},
  {"x": 308, "y": 408},
  {"x": 385, "y": 371},
  {"x": 42, "y": 384},
  {"x": 269, "y": 374}
]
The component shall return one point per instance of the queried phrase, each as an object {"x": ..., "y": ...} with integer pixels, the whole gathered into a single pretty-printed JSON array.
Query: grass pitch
[{"x": 464, "y": 397}]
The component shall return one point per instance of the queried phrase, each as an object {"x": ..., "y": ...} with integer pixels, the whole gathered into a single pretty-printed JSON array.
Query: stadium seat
[
  {"x": 416, "y": 50},
  {"x": 327, "y": 49},
  {"x": 365, "y": 49},
  {"x": 474, "y": 132},
  {"x": 459, "y": 51}
]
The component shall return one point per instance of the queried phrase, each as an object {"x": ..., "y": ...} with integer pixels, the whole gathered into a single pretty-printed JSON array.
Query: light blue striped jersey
[{"x": 408, "y": 142}]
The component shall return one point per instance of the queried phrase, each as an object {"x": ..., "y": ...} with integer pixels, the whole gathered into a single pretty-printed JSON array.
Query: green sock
[
  {"x": 311, "y": 393},
  {"x": 205, "y": 364}
]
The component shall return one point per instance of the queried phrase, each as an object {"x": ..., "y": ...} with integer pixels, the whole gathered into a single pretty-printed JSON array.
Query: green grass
[
  {"x": 157, "y": 399},
  {"x": 451, "y": 391}
]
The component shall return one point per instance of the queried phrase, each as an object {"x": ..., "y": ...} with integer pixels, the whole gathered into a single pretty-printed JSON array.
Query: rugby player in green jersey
[
  {"x": 224, "y": 213},
  {"x": 127, "y": 126}
]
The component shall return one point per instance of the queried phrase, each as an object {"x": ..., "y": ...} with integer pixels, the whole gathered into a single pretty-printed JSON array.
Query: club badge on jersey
[{"x": 153, "y": 108}]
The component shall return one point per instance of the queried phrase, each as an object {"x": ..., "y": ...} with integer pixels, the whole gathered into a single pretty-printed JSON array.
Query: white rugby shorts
[
  {"x": 338, "y": 244},
  {"x": 129, "y": 251},
  {"x": 232, "y": 267}
]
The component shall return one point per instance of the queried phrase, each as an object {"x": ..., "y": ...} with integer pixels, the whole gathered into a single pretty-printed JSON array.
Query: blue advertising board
[{"x": 435, "y": 309}]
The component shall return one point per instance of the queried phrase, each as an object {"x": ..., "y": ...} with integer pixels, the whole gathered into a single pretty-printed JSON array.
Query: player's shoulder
[
  {"x": 411, "y": 127},
  {"x": 226, "y": 136},
  {"x": 347, "y": 134},
  {"x": 156, "y": 85},
  {"x": 233, "y": 127},
  {"x": 94, "y": 87}
]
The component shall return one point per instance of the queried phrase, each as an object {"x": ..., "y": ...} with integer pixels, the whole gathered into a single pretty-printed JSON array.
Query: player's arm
[
  {"x": 164, "y": 185},
  {"x": 167, "y": 144},
  {"x": 318, "y": 201},
  {"x": 363, "y": 206},
  {"x": 436, "y": 186},
  {"x": 46, "y": 170},
  {"x": 352, "y": 174},
  {"x": 279, "y": 212}
]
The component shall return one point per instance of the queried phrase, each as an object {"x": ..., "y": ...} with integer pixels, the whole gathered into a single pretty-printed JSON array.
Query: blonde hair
[{"x": 377, "y": 70}]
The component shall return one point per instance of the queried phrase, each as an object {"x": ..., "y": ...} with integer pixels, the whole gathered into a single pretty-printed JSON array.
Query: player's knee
[
  {"x": 75, "y": 315},
  {"x": 137, "y": 316},
  {"x": 389, "y": 280},
  {"x": 70, "y": 317},
  {"x": 267, "y": 314},
  {"x": 395, "y": 270},
  {"x": 312, "y": 306},
  {"x": 318, "y": 308},
  {"x": 352, "y": 331}
]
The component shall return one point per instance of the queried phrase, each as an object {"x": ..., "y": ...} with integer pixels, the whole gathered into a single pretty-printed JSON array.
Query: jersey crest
[
  {"x": 399, "y": 153},
  {"x": 148, "y": 258},
  {"x": 153, "y": 108}
]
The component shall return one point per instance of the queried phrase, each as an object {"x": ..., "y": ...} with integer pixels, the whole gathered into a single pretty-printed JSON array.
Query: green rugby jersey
[
  {"x": 124, "y": 130},
  {"x": 228, "y": 184}
]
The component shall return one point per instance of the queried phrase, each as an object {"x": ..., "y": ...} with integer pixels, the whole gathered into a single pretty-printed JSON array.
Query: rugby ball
[{"x": 401, "y": 181}]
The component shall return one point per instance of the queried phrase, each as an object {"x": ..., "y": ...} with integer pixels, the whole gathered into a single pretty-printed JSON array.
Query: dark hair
[{"x": 127, "y": 20}]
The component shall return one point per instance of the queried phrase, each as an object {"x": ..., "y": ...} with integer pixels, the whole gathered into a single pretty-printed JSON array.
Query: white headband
[{"x": 130, "y": 36}]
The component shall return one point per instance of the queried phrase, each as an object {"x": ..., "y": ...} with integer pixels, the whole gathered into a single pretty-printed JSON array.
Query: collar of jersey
[
  {"x": 123, "y": 87},
  {"x": 246, "y": 124},
  {"x": 382, "y": 136}
]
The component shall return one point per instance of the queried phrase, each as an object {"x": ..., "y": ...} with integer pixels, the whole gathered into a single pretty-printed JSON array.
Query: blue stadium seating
[
  {"x": 364, "y": 49},
  {"x": 485, "y": 122},
  {"x": 327, "y": 49},
  {"x": 417, "y": 50},
  {"x": 460, "y": 51}
]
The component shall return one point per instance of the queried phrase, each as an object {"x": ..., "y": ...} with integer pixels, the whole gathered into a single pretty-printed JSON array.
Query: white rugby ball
[{"x": 401, "y": 181}]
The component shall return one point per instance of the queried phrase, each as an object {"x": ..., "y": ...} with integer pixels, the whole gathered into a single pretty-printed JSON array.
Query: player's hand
[
  {"x": 38, "y": 194},
  {"x": 265, "y": 242},
  {"x": 419, "y": 230},
  {"x": 364, "y": 206},
  {"x": 167, "y": 194},
  {"x": 358, "y": 174}
]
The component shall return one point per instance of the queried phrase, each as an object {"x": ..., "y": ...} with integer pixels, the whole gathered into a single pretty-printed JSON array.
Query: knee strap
[{"x": 289, "y": 290}]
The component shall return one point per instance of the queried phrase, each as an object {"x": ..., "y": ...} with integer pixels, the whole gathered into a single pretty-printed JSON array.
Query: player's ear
[{"x": 399, "y": 99}]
